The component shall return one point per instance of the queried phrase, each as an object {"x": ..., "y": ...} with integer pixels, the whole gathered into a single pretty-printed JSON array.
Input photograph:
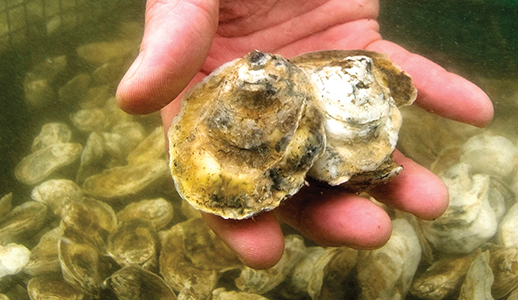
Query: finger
[
  {"x": 258, "y": 241},
  {"x": 331, "y": 217},
  {"x": 177, "y": 37},
  {"x": 440, "y": 91},
  {"x": 416, "y": 190}
]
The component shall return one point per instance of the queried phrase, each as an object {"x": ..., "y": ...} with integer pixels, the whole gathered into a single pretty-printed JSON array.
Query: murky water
[{"x": 476, "y": 39}]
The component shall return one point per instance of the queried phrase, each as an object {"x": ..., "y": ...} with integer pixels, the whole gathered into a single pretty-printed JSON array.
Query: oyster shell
[
  {"x": 295, "y": 286},
  {"x": 178, "y": 271},
  {"x": 75, "y": 89},
  {"x": 479, "y": 279},
  {"x": 331, "y": 273},
  {"x": 159, "y": 211},
  {"x": 206, "y": 250},
  {"x": 81, "y": 264},
  {"x": 39, "y": 165},
  {"x": 134, "y": 282},
  {"x": 91, "y": 119},
  {"x": 504, "y": 264},
  {"x": 508, "y": 228},
  {"x": 469, "y": 220},
  {"x": 134, "y": 242},
  {"x": 443, "y": 278},
  {"x": 95, "y": 97},
  {"x": 13, "y": 258},
  {"x": 246, "y": 136},
  {"x": 91, "y": 219},
  {"x": 5, "y": 205},
  {"x": 52, "y": 287},
  {"x": 489, "y": 154},
  {"x": 93, "y": 158},
  {"x": 44, "y": 256},
  {"x": 387, "y": 273},
  {"x": 124, "y": 180},
  {"x": 56, "y": 193},
  {"x": 102, "y": 52},
  {"x": 223, "y": 294},
  {"x": 361, "y": 91},
  {"x": 152, "y": 147},
  {"x": 23, "y": 221},
  {"x": 123, "y": 138},
  {"x": 51, "y": 133},
  {"x": 263, "y": 281}
]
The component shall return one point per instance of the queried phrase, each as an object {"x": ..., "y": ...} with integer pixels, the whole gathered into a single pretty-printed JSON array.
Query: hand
[{"x": 184, "y": 40}]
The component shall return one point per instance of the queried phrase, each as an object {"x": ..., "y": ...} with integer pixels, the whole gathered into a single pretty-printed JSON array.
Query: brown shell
[{"x": 246, "y": 136}]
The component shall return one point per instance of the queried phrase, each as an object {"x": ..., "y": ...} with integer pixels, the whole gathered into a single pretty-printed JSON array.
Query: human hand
[{"x": 184, "y": 40}]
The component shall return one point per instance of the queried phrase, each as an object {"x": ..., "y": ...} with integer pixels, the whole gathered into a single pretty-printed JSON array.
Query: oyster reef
[{"x": 249, "y": 133}]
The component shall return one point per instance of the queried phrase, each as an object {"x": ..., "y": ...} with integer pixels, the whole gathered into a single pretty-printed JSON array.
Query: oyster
[
  {"x": 134, "y": 282},
  {"x": 504, "y": 264},
  {"x": 331, "y": 274},
  {"x": 23, "y": 221},
  {"x": 295, "y": 286},
  {"x": 122, "y": 139},
  {"x": 152, "y": 147},
  {"x": 361, "y": 91},
  {"x": 52, "y": 287},
  {"x": 263, "y": 281},
  {"x": 56, "y": 193},
  {"x": 469, "y": 220},
  {"x": 479, "y": 279},
  {"x": 443, "y": 278},
  {"x": 159, "y": 211},
  {"x": 76, "y": 88},
  {"x": 91, "y": 219},
  {"x": 102, "y": 52},
  {"x": 44, "y": 256},
  {"x": 13, "y": 258},
  {"x": 5, "y": 205},
  {"x": 134, "y": 242},
  {"x": 124, "y": 180},
  {"x": 51, "y": 133},
  {"x": 81, "y": 264},
  {"x": 178, "y": 271},
  {"x": 39, "y": 165},
  {"x": 95, "y": 97},
  {"x": 508, "y": 228},
  {"x": 93, "y": 158},
  {"x": 246, "y": 136},
  {"x": 91, "y": 119},
  {"x": 387, "y": 273},
  {"x": 223, "y": 294},
  {"x": 489, "y": 154}
]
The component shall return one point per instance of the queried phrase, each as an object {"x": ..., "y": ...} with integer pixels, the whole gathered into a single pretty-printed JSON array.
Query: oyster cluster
[{"x": 250, "y": 132}]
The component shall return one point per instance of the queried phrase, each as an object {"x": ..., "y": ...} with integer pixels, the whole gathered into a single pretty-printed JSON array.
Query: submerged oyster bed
[{"x": 102, "y": 218}]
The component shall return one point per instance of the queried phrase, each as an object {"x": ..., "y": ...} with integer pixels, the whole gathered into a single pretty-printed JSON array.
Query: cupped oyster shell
[
  {"x": 361, "y": 91},
  {"x": 246, "y": 136}
]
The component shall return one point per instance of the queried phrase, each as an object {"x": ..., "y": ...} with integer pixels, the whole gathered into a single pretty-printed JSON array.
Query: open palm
[{"x": 185, "y": 40}]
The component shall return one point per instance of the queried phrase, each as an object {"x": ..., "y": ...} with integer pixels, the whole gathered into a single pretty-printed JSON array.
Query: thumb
[{"x": 177, "y": 38}]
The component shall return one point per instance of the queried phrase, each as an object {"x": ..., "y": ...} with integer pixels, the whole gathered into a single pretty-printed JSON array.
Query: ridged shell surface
[{"x": 246, "y": 136}]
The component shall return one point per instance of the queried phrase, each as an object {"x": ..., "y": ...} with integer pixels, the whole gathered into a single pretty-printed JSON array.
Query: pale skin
[{"x": 184, "y": 40}]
